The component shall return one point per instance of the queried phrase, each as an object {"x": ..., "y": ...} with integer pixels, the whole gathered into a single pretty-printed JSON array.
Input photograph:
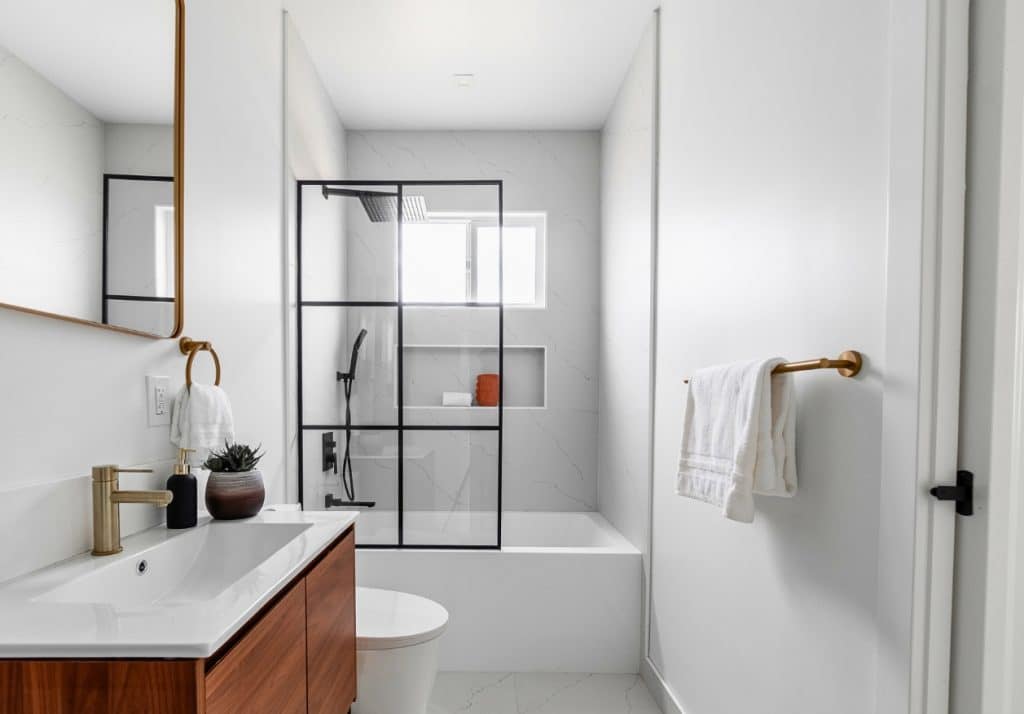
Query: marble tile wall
[
  {"x": 549, "y": 452},
  {"x": 138, "y": 149}
]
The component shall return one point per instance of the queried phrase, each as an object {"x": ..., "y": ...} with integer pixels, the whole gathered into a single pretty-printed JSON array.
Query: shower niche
[
  {"x": 398, "y": 301},
  {"x": 429, "y": 365}
]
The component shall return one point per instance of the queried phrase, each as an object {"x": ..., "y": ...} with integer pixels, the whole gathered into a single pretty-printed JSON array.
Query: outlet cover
[{"x": 158, "y": 400}]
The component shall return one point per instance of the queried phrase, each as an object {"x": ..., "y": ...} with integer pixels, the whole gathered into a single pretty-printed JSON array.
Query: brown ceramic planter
[{"x": 235, "y": 495}]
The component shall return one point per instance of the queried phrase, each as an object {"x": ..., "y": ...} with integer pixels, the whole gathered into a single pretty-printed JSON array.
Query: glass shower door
[{"x": 409, "y": 275}]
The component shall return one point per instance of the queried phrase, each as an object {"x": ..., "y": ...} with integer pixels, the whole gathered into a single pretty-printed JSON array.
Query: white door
[{"x": 811, "y": 201}]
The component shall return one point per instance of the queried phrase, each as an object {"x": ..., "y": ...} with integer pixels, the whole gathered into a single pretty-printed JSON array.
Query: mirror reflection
[{"x": 87, "y": 111}]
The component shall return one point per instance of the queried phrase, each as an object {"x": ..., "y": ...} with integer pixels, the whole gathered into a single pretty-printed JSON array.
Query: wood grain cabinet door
[
  {"x": 331, "y": 631},
  {"x": 265, "y": 671},
  {"x": 101, "y": 687}
]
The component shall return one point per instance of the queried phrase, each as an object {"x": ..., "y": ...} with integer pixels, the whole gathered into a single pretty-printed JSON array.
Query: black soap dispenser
[{"x": 181, "y": 511}]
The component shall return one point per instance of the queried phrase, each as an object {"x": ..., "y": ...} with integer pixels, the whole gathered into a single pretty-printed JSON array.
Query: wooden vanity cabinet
[
  {"x": 297, "y": 655},
  {"x": 265, "y": 671},
  {"x": 331, "y": 631}
]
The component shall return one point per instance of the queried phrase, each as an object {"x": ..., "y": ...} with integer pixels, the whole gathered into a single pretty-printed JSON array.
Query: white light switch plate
[{"x": 158, "y": 400}]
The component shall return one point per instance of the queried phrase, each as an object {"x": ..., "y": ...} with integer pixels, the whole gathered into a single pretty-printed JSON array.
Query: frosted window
[
  {"x": 520, "y": 266},
  {"x": 434, "y": 257},
  {"x": 163, "y": 250},
  {"x": 454, "y": 259}
]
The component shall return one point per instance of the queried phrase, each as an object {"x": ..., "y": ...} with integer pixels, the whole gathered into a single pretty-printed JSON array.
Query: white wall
[
  {"x": 52, "y": 184},
  {"x": 772, "y": 241},
  {"x": 627, "y": 261},
  {"x": 74, "y": 396},
  {"x": 314, "y": 149},
  {"x": 988, "y": 605},
  {"x": 315, "y": 134},
  {"x": 550, "y": 453},
  {"x": 146, "y": 149}
]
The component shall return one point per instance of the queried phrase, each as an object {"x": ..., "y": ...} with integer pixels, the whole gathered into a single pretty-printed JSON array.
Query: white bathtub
[{"x": 562, "y": 595}]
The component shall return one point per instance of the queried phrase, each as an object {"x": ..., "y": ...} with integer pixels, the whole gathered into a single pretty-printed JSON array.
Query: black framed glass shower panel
[
  {"x": 131, "y": 293},
  {"x": 468, "y": 477}
]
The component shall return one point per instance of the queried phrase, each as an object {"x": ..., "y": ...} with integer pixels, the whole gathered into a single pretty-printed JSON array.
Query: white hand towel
[
  {"x": 201, "y": 418},
  {"x": 456, "y": 399},
  {"x": 739, "y": 431}
]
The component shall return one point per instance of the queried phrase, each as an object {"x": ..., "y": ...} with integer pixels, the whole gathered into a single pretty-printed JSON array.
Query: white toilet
[{"x": 396, "y": 651}]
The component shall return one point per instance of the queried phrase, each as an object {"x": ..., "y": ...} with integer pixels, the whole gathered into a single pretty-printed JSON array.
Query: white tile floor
[{"x": 498, "y": 693}]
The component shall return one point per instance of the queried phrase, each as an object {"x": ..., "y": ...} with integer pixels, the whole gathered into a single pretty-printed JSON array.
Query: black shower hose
[{"x": 347, "y": 479}]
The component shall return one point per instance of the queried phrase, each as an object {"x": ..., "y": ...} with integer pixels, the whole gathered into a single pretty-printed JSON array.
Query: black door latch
[{"x": 962, "y": 493}]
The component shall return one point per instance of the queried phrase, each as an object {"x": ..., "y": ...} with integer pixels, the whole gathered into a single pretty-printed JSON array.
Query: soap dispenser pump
[{"x": 181, "y": 512}]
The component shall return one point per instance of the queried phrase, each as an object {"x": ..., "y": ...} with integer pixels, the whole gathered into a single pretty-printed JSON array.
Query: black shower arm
[{"x": 354, "y": 193}]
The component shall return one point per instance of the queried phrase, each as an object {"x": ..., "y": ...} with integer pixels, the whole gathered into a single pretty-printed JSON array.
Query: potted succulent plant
[{"x": 235, "y": 487}]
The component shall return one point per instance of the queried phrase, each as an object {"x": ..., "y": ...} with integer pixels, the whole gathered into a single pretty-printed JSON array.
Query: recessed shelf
[
  {"x": 454, "y": 409},
  {"x": 432, "y": 369}
]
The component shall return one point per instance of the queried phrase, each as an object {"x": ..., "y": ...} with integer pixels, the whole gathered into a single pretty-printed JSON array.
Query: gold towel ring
[{"x": 191, "y": 347}]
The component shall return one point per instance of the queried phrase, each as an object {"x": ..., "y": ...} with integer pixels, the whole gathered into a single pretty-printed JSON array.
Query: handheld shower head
[
  {"x": 351, "y": 374},
  {"x": 348, "y": 379}
]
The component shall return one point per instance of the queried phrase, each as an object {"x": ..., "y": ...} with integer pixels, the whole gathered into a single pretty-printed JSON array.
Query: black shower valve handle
[{"x": 329, "y": 456}]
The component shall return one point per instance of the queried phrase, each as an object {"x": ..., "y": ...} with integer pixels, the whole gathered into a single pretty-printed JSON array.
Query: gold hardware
[
  {"x": 187, "y": 345},
  {"x": 182, "y": 467},
  {"x": 848, "y": 365},
  {"x": 191, "y": 347},
  {"x": 106, "y": 514},
  {"x": 179, "y": 203},
  {"x": 152, "y": 498}
]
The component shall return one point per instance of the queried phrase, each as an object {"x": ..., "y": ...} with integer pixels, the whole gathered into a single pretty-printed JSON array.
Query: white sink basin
[
  {"x": 195, "y": 566},
  {"x": 197, "y": 588}
]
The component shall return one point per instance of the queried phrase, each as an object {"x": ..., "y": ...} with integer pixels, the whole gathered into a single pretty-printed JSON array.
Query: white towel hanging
[{"x": 739, "y": 429}]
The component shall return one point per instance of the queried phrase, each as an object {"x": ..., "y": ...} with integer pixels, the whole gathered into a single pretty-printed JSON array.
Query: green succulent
[{"x": 233, "y": 458}]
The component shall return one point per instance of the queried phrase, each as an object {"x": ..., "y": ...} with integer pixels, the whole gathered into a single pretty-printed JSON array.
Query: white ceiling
[
  {"x": 114, "y": 57},
  {"x": 538, "y": 64}
]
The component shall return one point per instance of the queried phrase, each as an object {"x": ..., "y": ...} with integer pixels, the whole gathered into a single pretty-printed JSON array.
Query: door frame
[
  {"x": 924, "y": 283},
  {"x": 995, "y": 579}
]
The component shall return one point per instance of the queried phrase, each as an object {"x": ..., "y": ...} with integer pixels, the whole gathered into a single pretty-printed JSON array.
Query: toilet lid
[{"x": 386, "y": 619}]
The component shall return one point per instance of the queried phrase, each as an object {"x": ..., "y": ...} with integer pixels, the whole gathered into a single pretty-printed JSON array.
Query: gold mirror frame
[{"x": 179, "y": 202}]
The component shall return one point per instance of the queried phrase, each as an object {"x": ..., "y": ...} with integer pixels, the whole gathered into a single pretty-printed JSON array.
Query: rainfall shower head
[{"x": 382, "y": 206}]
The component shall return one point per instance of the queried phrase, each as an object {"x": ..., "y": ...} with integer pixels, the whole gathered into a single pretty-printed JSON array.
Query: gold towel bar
[
  {"x": 848, "y": 365},
  {"x": 191, "y": 347}
]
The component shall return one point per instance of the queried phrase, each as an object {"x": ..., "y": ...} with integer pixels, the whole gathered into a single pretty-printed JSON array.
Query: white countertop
[{"x": 34, "y": 624}]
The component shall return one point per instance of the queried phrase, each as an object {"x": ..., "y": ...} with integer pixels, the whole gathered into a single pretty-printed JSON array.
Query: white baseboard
[{"x": 659, "y": 690}]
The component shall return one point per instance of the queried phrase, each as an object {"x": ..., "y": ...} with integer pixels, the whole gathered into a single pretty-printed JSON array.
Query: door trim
[
  {"x": 999, "y": 580},
  {"x": 920, "y": 419}
]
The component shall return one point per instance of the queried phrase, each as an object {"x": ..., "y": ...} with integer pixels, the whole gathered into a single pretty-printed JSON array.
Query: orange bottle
[{"x": 487, "y": 390}]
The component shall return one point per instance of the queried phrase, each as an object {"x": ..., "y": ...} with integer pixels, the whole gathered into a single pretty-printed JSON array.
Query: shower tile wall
[{"x": 549, "y": 452}]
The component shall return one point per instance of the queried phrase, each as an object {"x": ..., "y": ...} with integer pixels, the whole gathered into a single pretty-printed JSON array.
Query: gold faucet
[{"x": 106, "y": 497}]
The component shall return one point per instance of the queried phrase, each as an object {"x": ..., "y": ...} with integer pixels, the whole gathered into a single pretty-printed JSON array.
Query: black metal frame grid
[
  {"x": 400, "y": 306},
  {"x": 108, "y": 296}
]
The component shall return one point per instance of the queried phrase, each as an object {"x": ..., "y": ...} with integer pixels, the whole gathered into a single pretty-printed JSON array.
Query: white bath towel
[
  {"x": 201, "y": 417},
  {"x": 456, "y": 399},
  {"x": 739, "y": 430}
]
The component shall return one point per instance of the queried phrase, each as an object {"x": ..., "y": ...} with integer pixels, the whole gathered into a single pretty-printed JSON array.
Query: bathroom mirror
[{"x": 91, "y": 162}]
